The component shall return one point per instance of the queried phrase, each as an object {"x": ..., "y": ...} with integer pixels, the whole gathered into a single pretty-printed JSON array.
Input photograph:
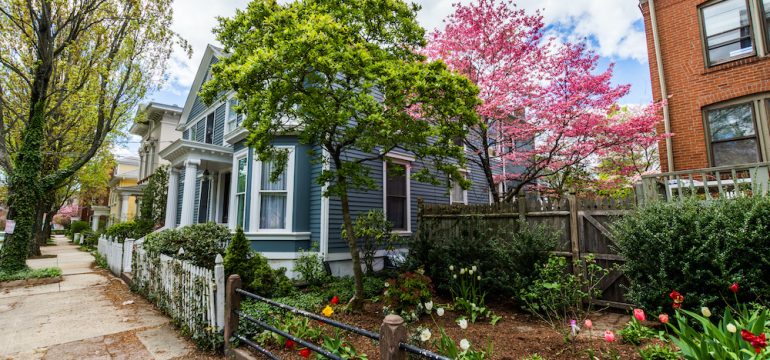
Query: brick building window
[
  {"x": 766, "y": 19},
  {"x": 727, "y": 30},
  {"x": 733, "y": 134}
]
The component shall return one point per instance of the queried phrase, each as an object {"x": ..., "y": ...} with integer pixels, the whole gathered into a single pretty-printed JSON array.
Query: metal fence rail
[{"x": 234, "y": 316}]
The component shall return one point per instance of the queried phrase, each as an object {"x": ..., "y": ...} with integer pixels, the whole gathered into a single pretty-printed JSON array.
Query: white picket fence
[{"x": 191, "y": 295}]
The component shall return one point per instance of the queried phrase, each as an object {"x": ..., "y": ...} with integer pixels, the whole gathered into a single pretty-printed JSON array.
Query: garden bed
[{"x": 30, "y": 277}]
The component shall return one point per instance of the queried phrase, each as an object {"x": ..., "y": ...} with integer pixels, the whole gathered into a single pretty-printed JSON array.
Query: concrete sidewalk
[{"x": 84, "y": 316}]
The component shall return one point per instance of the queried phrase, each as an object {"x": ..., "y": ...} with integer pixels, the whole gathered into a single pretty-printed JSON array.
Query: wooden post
[
  {"x": 392, "y": 332},
  {"x": 521, "y": 200},
  {"x": 574, "y": 230},
  {"x": 232, "y": 303},
  {"x": 219, "y": 279}
]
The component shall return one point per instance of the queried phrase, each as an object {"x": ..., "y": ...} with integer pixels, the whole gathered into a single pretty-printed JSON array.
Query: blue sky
[{"x": 613, "y": 28}]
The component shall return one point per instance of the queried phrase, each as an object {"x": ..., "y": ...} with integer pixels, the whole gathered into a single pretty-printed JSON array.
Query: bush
[
  {"x": 310, "y": 268},
  {"x": 30, "y": 274},
  {"x": 658, "y": 352},
  {"x": 406, "y": 292},
  {"x": 508, "y": 256},
  {"x": 374, "y": 232},
  {"x": 129, "y": 230},
  {"x": 344, "y": 288},
  {"x": 201, "y": 243},
  {"x": 256, "y": 274},
  {"x": 77, "y": 227},
  {"x": 697, "y": 248}
]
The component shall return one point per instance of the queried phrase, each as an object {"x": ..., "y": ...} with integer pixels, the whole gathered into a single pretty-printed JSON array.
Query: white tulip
[
  {"x": 454, "y": 276},
  {"x": 386, "y": 284},
  {"x": 463, "y": 323},
  {"x": 465, "y": 344},
  {"x": 462, "y": 271},
  {"x": 451, "y": 268},
  {"x": 470, "y": 272},
  {"x": 425, "y": 335},
  {"x": 429, "y": 306},
  {"x": 705, "y": 311},
  {"x": 440, "y": 311},
  {"x": 731, "y": 328},
  {"x": 478, "y": 278},
  {"x": 473, "y": 267}
]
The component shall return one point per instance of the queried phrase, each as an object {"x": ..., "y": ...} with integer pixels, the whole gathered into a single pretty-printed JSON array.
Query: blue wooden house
[{"x": 215, "y": 177}]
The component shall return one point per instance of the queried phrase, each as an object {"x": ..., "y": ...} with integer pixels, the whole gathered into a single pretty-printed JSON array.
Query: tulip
[
  {"x": 454, "y": 276},
  {"x": 678, "y": 299},
  {"x": 425, "y": 335},
  {"x": 731, "y": 328},
  {"x": 734, "y": 288},
  {"x": 470, "y": 272},
  {"x": 328, "y": 311},
  {"x": 588, "y": 324},
  {"x": 609, "y": 336},
  {"x": 473, "y": 267},
  {"x": 451, "y": 268},
  {"x": 663, "y": 318},
  {"x": 440, "y": 311},
  {"x": 305, "y": 353},
  {"x": 429, "y": 306},
  {"x": 573, "y": 327},
  {"x": 289, "y": 344},
  {"x": 463, "y": 323},
  {"x": 478, "y": 278},
  {"x": 335, "y": 300},
  {"x": 639, "y": 315},
  {"x": 386, "y": 284},
  {"x": 462, "y": 271},
  {"x": 465, "y": 344},
  {"x": 705, "y": 311}
]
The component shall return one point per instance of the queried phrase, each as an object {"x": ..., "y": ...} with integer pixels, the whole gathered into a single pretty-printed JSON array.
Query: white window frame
[
  {"x": 256, "y": 198},
  {"x": 233, "y": 212},
  {"x": 406, "y": 160},
  {"x": 227, "y": 115},
  {"x": 465, "y": 191}
]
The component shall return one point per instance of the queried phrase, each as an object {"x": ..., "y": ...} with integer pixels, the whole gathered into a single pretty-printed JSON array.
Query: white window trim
[
  {"x": 233, "y": 212},
  {"x": 405, "y": 160},
  {"x": 465, "y": 191},
  {"x": 256, "y": 186},
  {"x": 228, "y": 129}
]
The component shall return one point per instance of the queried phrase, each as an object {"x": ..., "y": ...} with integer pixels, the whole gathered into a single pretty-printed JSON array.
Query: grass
[{"x": 30, "y": 274}]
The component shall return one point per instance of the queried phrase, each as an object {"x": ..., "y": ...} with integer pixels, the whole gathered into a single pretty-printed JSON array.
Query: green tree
[
  {"x": 344, "y": 75},
  {"x": 68, "y": 65},
  {"x": 154, "y": 194}
]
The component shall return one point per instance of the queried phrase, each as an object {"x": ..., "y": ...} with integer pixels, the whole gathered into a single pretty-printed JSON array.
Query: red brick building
[{"x": 715, "y": 60}]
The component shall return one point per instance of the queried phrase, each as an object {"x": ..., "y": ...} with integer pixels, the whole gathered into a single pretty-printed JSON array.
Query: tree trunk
[
  {"x": 358, "y": 302},
  {"x": 42, "y": 231}
]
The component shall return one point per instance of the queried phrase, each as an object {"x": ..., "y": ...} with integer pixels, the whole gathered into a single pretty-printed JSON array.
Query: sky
[{"x": 613, "y": 28}]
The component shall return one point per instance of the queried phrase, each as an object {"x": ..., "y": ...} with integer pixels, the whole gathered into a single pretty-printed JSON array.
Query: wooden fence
[{"x": 581, "y": 222}]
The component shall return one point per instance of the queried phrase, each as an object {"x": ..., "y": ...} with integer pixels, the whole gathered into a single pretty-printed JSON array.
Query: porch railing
[
  {"x": 391, "y": 338},
  {"x": 706, "y": 184}
]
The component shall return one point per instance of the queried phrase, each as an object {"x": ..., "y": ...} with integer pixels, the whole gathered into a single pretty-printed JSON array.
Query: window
[
  {"x": 397, "y": 195},
  {"x": 766, "y": 17},
  {"x": 727, "y": 30},
  {"x": 274, "y": 196},
  {"x": 733, "y": 135},
  {"x": 240, "y": 191},
  {"x": 458, "y": 195},
  {"x": 209, "y": 138},
  {"x": 233, "y": 119}
]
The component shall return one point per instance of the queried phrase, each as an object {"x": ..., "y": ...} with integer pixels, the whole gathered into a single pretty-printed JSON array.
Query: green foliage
[
  {"x": 720, "y": 340},
  {"x": 154, "y": 194},
  {"x": 77, "y": 227},
  {"x": 535, "y": 357},
  {"x": 406, "y": 292},
  {"x": 256, "y": 274},
  {"x": 272, "y": 315},
  {"x": 201, "y": 243},
  {"x": 237, "y": 257},
  {"x": 658, "y": 352},
  {"x": 129, "y": 230},
  {"x": 697, "y": 248},
  {"x": 343, "y": 288},
  {"x": 30, "y": 274},
  {"x": 634, "y": 332},
  {"x": 466, "y": 292},
  {"x": 100, "y": 260},
  {"x": 337, "y": 345},
  {"x": 310, "y": 267},
  {"x": 374, "y": 232},
  {"x": 509, "y": 256},
  {"x": 556, "y": 294},
  {"x": 447, "y": 347}
]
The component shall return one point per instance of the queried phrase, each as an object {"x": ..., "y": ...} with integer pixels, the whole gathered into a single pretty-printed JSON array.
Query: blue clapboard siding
[
  {"x": 179, "y": 194},
  {"x": 315, "y": 200},
  {"x": 200, "y": 130},
  {"x": 219, "y": 125},
  {"x": 198, "y": 107},
  {"x": 186, "y": 134}
]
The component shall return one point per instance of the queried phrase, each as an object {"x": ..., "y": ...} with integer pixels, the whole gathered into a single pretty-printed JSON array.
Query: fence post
[
  {"x": 521, "y": 200},
  {"x": 219, "y": 280},
  {"x": 574, "y": 230},
  {"x": 392, "y": 332},
  {"x": 232, "y": 303},
  {"x": 128, "y": 254}
]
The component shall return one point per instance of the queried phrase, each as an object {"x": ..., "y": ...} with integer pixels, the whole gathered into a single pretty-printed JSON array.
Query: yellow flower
[{"x": 328, "y": 311}]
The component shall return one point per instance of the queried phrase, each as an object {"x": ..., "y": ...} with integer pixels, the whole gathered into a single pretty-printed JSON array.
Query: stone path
[{"x": 84, "y": 316}]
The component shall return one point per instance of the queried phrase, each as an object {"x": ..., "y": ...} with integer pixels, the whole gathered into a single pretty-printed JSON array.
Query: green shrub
[
  {"x": 256, "y": 274},
  {"x": 129, "y": 230},
  {"x": 634, "y": 332},
  {"x": 201, "y": 243},
  {"x": 406, "y": 292},
  {"x": 658, "y": 352},
  {"x": 508, "y": 255},
  {"x": 310, "y": 267},
  {"x": 697, "y": 248},
  {"x": 77, "y": 227},
  {"x": 344, "y": 288},
  {"x": 30, "y": 274},
  {"x": 374, "y": 232},
  {"x": 237, "y": 257}
]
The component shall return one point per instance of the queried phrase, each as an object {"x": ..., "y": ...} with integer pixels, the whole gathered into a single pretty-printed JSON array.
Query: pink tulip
[
  {"x": 609, "y": 336},
  {"x": 663, "y": 318},
  {"x": 588, "y": 324},
  {"x": 639, "y": 314}
]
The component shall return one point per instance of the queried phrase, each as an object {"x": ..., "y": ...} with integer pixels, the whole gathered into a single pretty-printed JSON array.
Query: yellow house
[{"x": 124, "y": 190}]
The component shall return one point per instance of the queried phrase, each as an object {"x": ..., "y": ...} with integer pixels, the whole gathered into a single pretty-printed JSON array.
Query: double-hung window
[
  {"x": 458, "y": 195},
  {"x": 274, "y": 195},
  {"x": 733, "y": 134},
  {"x": 233, "y": 119},
  {"x": 397, "y": 195},
  {"x": 240, "y": 191},
  {"x": 727, "y": 30}
]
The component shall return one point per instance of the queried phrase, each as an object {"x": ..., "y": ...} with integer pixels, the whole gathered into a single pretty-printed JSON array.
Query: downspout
[{"x": 663, "y": 91}]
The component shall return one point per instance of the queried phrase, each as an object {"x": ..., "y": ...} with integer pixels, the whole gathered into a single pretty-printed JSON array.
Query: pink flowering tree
[{"x": 548, "y": 111}]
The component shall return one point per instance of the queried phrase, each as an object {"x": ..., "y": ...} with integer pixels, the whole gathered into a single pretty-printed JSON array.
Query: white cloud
[{"x": 609, "y": 22}]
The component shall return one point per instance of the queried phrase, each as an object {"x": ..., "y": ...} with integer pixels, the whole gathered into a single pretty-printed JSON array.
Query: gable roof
[{"x": 209, "y": 54}]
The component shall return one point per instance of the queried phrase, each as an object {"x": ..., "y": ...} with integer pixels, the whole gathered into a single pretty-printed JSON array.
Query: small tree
[
  {"x": 374, "y": 232},
  {"x": 237, "y": 256},
  {"x": 343, "y": 76}
]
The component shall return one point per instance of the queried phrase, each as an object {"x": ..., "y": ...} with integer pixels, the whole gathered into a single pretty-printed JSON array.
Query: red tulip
[
  {"x": 734, "y": 288},
  {"x": 663, "y": 318},
  {"x": 757, "y": 342},
  {"x": 335, "y": 300},
  {"x": 305, "y": 353},
  {"x": 678, "y": 299},
  {"x": 289, "y": 344},
  {"x": 609, "y": 336},
  {"x": 639, "y": 315}
]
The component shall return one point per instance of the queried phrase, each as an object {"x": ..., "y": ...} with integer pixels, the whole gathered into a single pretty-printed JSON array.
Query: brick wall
[{"x": 690, "y": 84}]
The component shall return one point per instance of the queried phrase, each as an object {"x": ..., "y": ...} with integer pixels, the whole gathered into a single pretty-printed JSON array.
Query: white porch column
[
  {"x": 214, "y": 198},
  {"x": 188, "y": 195},
  {"x": 124, "y": 207},
  {"x": 171, "y": 198},
  {"x": 94, "y": 221}
]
